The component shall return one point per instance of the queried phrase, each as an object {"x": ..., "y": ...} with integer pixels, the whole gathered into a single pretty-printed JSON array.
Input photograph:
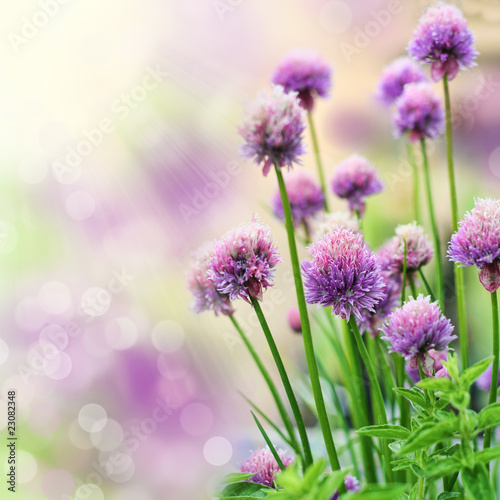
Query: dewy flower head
[
  {"x": 204, "y": 290},
  {"x": 272, "y": 129},
  {"x": 419, "y": 112},
  {"x": 354, "y": 180},
  {"x": 305, "y": 72},
  {"x": 419, "y": 250},
  {"x": 351, "y": 484},
  {"x": 415, "y": 328},
  {"x": 394, "y": 78},
  {"x": 324, "y": 222},
  {"x": 243, "y": 261},
  {"x": 305, "y": 195},
  {"x": 264, "y": 465},
  {"x": 344, "y": 273},
  {"x": 443, "y": 39},
  {"x": 477, "y": 242}
]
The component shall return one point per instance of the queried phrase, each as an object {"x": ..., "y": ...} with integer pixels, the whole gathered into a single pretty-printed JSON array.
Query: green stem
[
  {"x": 413, "y": 288},
  {"x": 378, "y": 399},
  {"x": 286, "y": 383},
  {"x": 426, "y": 284},
  {"x": 494, "y": 369},
  {"x": 306, "y": 331},
  {"x": 416, "y": 190},
  {"x": 359, "y": 404},
  {"x": 435, "y": 233},
  {"x": 404, "y": 405},
  {"x": 321, "y": 175},
  {"x": 386, "y": 371},
  {"x": 421, "y": 488},
  {"x": 459, "y": 273},
  {"x": 342, "y": 418},
  {"x": 269, "y": 381}
]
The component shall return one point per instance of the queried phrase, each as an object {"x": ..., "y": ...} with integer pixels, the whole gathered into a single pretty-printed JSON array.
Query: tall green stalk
[
  {"x": 494, "y": 369},
  {"x": 435, "y": 233},
  {"x": 416, "y": 187},
  {"x": 269, "y": 381},
  {"x": 377, "y": 393},
  {"x": 459, "y": 273},
  {"x": 306, "y": 331},
  {"x": 286, "y": 382},
  {"x": 321, "y": 174},
  {"x": 359, "y": 404}
]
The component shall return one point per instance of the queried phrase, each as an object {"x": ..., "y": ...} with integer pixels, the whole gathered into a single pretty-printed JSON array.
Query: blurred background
[{"x": 119, "y": 158}]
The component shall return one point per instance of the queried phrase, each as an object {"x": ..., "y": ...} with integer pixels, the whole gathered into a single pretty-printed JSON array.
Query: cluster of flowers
[{"x": 343, "y": 272}]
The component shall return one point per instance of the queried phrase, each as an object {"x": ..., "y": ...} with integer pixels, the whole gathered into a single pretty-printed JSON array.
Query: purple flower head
[
  {"x": 305, "y": 195},
  {"x": 443, "y": 39},
  {"x": 243, "y": 261},
  {"x": 305, "y": 72},
  {"x": 272, "y": 129},
  {"x": 344, "y": 273},
  {"x": 419, "y": 112},
  {"x": 324, "y": 222},
  {"x": 477, "y": 242},
  {"x": 394, "y": 78},
  {"x": 293, "y": 317},
  {"x": 419, "y": 250},
  {"x": 484, "y": 380},
  {"x": 415, "y": 328},
  {"x": 354, "y": 180},
  {"x": 438, "y": 358},
  {"x": 204, "y": 291},
  {"x": 264, "y": 465},
  {"x": 351, "y": 483}
]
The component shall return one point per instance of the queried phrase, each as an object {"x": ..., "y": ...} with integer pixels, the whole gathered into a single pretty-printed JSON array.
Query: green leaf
[
  {"x": 269, "y": 442},
  {"x": 449, "y": 494},
  {"x": 385, "y": 431},
  {"x": 472, "y": 373},
  {"x": 477, "y": 483},
  {"x": 485, "y": 456},
  {"x": 430, "y": 434},
  {"x": 439, "y": 467},
  {"x": 391, "y": 491},
  {"x": 414, "y": 395},
  {"x": 403, "y": 463},
  {"x": 436, "y": 384},
  {"x": 244, "y": 490},
  {"x": 489, "y": 416},
  {"x": 236, "y": 477}
]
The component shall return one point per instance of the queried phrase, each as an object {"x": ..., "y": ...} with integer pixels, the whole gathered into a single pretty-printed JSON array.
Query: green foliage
[
  {"x": 314, "y": 485},
  {"x": 385, "y": 431},
  {"x": 244, "y": 490},
  {"x": 477, "y": 483}
]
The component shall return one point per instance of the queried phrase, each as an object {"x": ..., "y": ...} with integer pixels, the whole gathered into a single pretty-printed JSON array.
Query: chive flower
[
  {"x": 265, "y": 467},
  {"x": 354, "y": 180},
  {"x": 443, "y": 39},
  {"x": 351, "y": 484},
  {"x": 206, "y": 297},
  {"x": 394, "y": 78},
  {"x": 305, "y": 196},
  {"x": 272, "y": 129},
  {"x": 417, "y": 327},
  {"x": 243, "y": 261},
  {"x": 419, "y": 112},
  {"x": 305, "y": 72},
  {"x": 477, "y": 242},
  {"x": 343, "y": 273}
]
